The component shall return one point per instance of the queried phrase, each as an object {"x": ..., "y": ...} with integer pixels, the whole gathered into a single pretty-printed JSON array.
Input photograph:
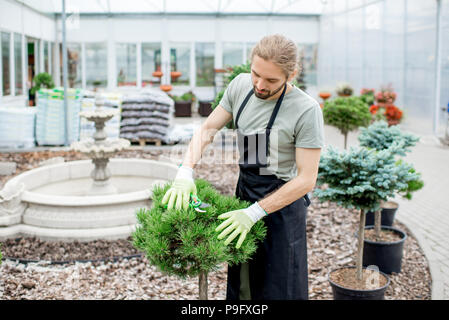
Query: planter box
[
  {"x": 183, "y": 108},
  {"x": 205, "y": 108}
]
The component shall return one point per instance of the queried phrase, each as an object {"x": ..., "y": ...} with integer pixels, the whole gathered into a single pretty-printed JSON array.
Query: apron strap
[
  {"x": 273, "y": 117},
  {"x": 242, "y": 106}
]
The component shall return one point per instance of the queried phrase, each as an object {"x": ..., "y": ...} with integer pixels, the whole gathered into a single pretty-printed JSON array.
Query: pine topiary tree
[
  {"x": 184, "y": 242},
  {"x": 361, "y": 178},
  {"x": 380, "y": 136},
  {"x": 347, "y": 114}
]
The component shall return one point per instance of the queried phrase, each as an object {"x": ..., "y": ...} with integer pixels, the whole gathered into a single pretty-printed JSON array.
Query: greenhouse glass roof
[{"x": 218, "y": 7}]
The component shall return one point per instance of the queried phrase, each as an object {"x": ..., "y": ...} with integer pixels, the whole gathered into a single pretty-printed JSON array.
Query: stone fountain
[
  {"x": 82, "y": 200},
  {"x": 100, "y": 149}
]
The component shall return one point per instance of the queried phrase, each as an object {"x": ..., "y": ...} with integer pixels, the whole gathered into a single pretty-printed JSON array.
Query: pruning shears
[{"x": 196, "y": 203}]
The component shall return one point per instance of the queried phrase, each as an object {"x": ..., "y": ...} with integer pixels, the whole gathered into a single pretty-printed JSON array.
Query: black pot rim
[
  {"x": 396, "y": 203},
  {"x": 402, "y": 233},
  {"x": 357, "y": 290}
]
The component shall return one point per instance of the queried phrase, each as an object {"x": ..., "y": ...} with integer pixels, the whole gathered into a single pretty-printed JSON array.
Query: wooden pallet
[{"x": 142, "y": 142}]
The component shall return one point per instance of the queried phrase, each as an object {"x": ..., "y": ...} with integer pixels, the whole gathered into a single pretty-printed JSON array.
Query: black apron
[{"x": 278, "y": 269}]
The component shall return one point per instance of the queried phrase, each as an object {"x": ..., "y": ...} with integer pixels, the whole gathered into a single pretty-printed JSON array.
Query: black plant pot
[
  {"x": 341, "y": 293},
  {"x": 183, "y": 108},
  {"x": 387, "y": 256},
  {"x": 205, "y": 108},
  {"x": 387, "y": 219}
]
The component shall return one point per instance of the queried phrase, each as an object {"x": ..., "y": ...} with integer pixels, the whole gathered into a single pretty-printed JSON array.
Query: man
[{"x": 280, "y": 135}]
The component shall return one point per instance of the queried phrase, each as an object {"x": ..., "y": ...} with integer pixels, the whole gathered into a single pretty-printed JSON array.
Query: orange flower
[
  {"x": 373, "y": 109},
  {"x": 393, "y": 113}
]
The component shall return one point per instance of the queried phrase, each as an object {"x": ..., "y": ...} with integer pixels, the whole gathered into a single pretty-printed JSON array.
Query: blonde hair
[{"x": 280, "y": 50}]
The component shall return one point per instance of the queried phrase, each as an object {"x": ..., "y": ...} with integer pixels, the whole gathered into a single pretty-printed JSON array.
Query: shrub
[
  {"x": 184, "y": 242},
  {"x": 380, "y": 136},
  {"x": 347, "y": 114}
]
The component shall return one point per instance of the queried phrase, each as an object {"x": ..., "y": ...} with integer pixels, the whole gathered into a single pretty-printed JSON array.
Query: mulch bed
[{"x": 331, "y": 244}]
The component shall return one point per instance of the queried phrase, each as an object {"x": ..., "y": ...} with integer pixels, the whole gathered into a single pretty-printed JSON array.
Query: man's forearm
[
  {"x": 288, "y": 193},
  {"x": 200, "y": 140}
]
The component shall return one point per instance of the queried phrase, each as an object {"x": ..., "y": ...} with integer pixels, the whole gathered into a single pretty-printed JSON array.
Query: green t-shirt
[{"x": 299, "y": 123}]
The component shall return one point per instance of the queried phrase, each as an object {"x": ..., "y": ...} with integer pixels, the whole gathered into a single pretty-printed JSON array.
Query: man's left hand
[{"x": 239, "y": 222}]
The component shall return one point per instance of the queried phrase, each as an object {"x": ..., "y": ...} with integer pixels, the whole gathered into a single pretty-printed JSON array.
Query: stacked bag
[
  {"x": 50, "y": 116},
  {"x": 147, "y": 114},
  {"x": 111, "y": 100},
  {"x": 17, "y": 127}
]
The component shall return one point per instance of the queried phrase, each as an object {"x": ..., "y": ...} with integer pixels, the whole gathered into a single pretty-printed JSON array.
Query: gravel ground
[{"x": 331, "y": 244}]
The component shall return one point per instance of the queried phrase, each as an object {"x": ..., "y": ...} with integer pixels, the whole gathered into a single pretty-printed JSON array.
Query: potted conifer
[
  {"x": 359, "y": 178},
  {"x": 347, "y": 114},
  {"x": 381, "y": 136},
  {"x": 184, "y": 242}
]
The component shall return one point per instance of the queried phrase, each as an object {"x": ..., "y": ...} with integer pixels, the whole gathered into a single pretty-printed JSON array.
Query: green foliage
[
  {"x": 412, "y": 185},
  {"x": 361, "y": 178},
  {"x": 42, "y": 80},
  {"x": 188, "y": 96},
  {"x": 236, "y": 70},
  {"x": 347, "y": 114},
  {"x": 184, "y": 242},
  {"x": 368, "y": 98},
  {"x": 379, "y": 136}
]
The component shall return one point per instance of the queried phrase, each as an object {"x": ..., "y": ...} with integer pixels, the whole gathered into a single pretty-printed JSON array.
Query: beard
[{"x": 267, "y": 94}]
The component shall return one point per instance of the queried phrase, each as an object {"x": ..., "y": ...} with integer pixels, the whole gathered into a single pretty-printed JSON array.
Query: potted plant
[
  {"x": 344, "y": 90},
  {"x": 380, "y": 136},
  {"x": 347, "y": 114},
  {"x": 367, "y": 96},
  {"x": 393, "y": 115},
  {"x": 183, "y": 104},
  {"x": 184, "y": 242},
  {"x": 41, "y": 80},
  {"x": 386, "y": 96},
  {"x": 359, "y": 178},
  {"x": 384, "y": 245},
  {"x": 205, "y": 108}
]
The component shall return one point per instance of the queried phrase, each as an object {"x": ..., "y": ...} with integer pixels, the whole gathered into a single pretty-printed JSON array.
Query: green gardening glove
[
  {"x": 239, "y": 222},
  {"x": 180, "y": 191}
]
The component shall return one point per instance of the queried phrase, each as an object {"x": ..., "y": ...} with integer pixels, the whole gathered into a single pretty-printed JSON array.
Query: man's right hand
[{"x": 180, "y": 191}]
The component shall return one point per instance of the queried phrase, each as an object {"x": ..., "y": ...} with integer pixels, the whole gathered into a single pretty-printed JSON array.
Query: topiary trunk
[
  {"x": 377, "y": 223},
  {"x": 203, "y": 286},
  {"x": 361, "y": 236}
]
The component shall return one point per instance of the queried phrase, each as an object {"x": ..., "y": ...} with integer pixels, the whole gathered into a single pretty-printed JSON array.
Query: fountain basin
[{"x": 54, "y": 204}]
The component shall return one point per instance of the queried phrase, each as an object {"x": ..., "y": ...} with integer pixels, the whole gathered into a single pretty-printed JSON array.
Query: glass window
[
  {"x": 309, "y": 57},
  {"x": 232, "y": 54},
  {"x": 74, "y": 65},
  {"x": 96, "y": 65},
  {"x": 180, "y": 61},
  {"x": 18, "y": 63},
  {"x": 249, "y": 48},
  {"x": 126, "y": 64},
  {"x": 151, "y": 61},
  {"x": 204, "y": 58},
  {"x": 46, "y": 66},
  {"x": 5, "y": 63}
]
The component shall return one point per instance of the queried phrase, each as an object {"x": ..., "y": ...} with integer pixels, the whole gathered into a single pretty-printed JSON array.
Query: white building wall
[{"x": 18, "y": 18}]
